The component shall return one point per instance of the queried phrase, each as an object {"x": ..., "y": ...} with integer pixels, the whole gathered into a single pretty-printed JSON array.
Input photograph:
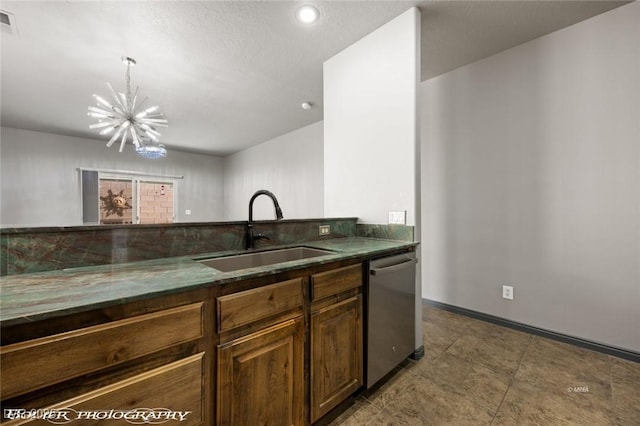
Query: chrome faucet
[{"x": 249, "y": 237}]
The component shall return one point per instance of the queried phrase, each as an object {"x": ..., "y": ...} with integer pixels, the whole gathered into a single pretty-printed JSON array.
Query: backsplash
[
  {"x": 25, "y": 250},
  {"x": 387, "y": 232}
]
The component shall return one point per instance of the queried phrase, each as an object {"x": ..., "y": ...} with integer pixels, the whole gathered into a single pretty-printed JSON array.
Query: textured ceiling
[{"x": 230, "y": 74}]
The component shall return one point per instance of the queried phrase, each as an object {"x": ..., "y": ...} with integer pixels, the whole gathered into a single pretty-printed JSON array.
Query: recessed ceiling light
[{"x": 307, "y": 14}]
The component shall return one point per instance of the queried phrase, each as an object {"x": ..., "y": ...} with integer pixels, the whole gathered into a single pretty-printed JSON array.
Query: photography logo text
[{"x": 136, "y": 416}]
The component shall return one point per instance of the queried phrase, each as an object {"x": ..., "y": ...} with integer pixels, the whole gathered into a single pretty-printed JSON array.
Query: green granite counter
[{"x": 38, "y": 296}]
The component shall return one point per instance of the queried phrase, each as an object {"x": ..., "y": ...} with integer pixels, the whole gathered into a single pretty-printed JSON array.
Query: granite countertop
[{"x": 37, "y": 296}]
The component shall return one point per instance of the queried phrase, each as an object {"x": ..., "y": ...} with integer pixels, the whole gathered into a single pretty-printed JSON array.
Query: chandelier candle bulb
[
  {"x": 124, "y": 139},
  {"x": 107, "y": 130},
  {"x": 134, "y": 135},
  {"x": 102, "y": 101},
  {"x": 114, "y": 137},
  {"x": 99, "y": 125}
]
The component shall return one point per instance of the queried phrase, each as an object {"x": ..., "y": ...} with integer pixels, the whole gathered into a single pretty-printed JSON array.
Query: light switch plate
[
  {"x": 397, "y": 217},
  {"x": 324, "y": 230}
]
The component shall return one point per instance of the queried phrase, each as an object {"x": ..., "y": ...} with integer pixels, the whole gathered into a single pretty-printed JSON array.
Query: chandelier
[{"x": 126, "y": 120}]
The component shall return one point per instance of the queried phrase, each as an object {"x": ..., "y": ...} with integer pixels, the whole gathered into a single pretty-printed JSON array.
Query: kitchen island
[{"x": 228, "y": 347}]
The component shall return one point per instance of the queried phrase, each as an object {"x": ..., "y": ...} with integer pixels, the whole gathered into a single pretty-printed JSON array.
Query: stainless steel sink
[{"x": 262, "y": 258}]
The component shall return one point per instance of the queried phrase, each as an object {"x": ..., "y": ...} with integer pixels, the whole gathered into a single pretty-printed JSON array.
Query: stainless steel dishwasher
[{"x": 390, "y": 314}]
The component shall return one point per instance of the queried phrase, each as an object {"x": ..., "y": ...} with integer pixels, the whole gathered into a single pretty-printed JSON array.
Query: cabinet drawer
[
  {"x": 336, "y": 281},
  {"x": 245, "y": 307},
  {"x": 41, "y": 362},
  {"x": 176, "y": 387}
]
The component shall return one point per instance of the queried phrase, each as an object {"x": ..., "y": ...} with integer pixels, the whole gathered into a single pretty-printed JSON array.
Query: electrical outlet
[
  {"x": 187, "y": 212},
  {"x": 507, "y": 292},
  {"x": 398, "y": 218},
  {"x": 324, "y": 230}
]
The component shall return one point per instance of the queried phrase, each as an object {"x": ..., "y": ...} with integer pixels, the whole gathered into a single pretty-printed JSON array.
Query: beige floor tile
[
  {"x": 477, "y": 383},
  {"x": 588, "y": 385},
  {"x": 428, "y": 404},
  {"x": 437, "y": 339},
  {"x": 625, "y": 383},
  {"x": 625, "y": 372},
  {"x": 445, "y": 319},
  {"x": 473, "y": 368},
  {"x": 414, "y": 365},
  {"x": 626, "y": 403},
  {"x": 494, "y": 331},
  {"x": 362, "y": 412},
  {"x": 563, "y": 356},
  {"x": 528, "y": 404},
  {"x": 392, "y": 386},
  {"x": 496, "y": 354}
]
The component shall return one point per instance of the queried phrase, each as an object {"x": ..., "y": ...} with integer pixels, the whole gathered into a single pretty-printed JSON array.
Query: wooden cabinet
[
  {"x": 261, "y": 377},
  {"x": 67, "y": 355},
  {"x": 177, "y": 385},
  {"x": 261, "y": 356},
  {"x": 136, "y": 361},
  {"x": 260, "y": 374},
  {"x": 273, "y": 350},
  {"x": 336, "y": 361}
]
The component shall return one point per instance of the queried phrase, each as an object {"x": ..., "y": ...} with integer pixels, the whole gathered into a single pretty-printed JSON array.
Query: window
[
  {"x": 116, "y": 201},
  {"x": 113, "y": 197},
  {"x": 155, "y": 203}
]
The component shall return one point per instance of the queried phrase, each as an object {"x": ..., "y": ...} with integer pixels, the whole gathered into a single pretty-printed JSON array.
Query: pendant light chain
[{"x": 129, "y": 83}]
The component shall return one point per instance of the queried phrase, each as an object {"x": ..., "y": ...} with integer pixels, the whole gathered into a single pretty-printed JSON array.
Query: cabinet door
[
  {"x": 261, "y": 377},
  {"x": 336, "y": 354}
]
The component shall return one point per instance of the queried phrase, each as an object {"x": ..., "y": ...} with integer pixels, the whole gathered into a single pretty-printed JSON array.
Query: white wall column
[{"x": 371, "y": 129}]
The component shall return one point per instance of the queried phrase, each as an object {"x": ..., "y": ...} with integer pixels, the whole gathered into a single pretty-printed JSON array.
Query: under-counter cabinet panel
[
  {"x": 67, "y": 355},
  {"x": 336, "y": 360},
  {"x": 177, "y": 387},
  {"x": 261, "y": 377},
  {"x": 158, "y": 360},
  {"x": 336, "y": 355}
]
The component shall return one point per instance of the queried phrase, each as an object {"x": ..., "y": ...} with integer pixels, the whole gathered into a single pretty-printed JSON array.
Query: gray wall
[
  {"x": 531, "y": 178},
  {"x": 290, "y": 166},
  {"x": 40, "y": 180}
]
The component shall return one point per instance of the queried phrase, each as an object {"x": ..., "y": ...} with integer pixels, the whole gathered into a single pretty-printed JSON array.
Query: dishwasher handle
[{"x": 387, "y": 269}]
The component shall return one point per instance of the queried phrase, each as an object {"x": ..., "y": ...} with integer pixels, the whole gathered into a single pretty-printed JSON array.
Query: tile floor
[{"x": 477, "y": 373}]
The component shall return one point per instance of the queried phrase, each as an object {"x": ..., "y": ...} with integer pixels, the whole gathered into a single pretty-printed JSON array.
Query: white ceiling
[{"x": 230, "y": 74}]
